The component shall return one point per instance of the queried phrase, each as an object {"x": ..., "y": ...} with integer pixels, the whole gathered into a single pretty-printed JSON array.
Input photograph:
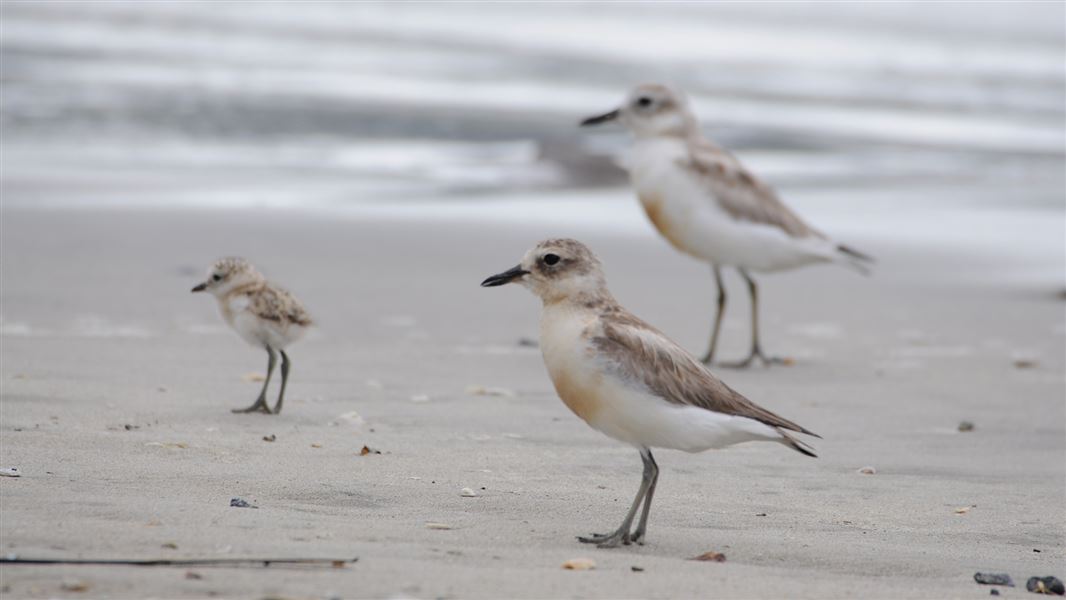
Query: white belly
[
  {"x": 624, "y": 410},
  {"x": 683, "y": 209},
  {"x": 257, "y": 331},
  {"x": 643, "y": 420}
]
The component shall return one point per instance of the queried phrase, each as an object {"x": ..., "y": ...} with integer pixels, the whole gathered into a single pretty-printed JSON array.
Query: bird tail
[
  {"x": 851, "y": 257},
  {"x": 797, "y": 445}
]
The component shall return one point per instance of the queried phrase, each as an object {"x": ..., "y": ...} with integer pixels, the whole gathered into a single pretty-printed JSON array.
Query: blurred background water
[{"x": 323, "y": 106}]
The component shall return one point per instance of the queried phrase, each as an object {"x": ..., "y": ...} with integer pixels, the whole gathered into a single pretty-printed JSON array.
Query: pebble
[
  {"x": 241, "y": 503},
  {"x": 994, "y": 579},
  {"x": 1046, "y": 585},
  {"x": 965, "y": 426},
  {"x": 269, "y": 438}
]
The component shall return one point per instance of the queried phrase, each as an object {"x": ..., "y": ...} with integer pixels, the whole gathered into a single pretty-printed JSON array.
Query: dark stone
[
  {"x": 1050, "y": 585},
  {"x": 993, "y": 579},
  {"x": 241, "y": 503}
]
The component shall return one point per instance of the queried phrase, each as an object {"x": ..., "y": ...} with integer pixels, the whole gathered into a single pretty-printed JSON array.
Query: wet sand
[{"x": 117, "y": 385}]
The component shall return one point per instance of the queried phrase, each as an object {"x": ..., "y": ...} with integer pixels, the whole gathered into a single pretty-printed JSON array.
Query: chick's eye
[
  {"x": 551, "y": 259},
  {"x": 644, "y": 101},
  {"x": 216, "y": 277}
]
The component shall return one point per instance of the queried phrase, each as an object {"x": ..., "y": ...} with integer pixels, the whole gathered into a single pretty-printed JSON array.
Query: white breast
[{"x": 259, "y": 332}]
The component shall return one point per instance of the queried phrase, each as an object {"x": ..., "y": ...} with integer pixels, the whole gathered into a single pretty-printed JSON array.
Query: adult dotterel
[
  {"x": 626, "y": 379},
  {"x": 263, "y": 314},
  {"x": 708, "y": 205}
]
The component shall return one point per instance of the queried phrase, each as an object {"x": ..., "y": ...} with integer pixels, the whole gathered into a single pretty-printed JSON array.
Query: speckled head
[
  {"x": 556, "y": 269},
  {"x": 652, "y": 109},
  {"x": 226, "y": 274}
]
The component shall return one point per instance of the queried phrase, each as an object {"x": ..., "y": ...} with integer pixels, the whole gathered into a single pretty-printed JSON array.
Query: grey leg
[
  {"x": 621, "y": 536},
  {"x": 707, "y": 358},
  {"x": 260, "y": 402},
  {"x": 285, "y": 362},
  {"x": 756, "y": 349},
  {"x": 642, "y": 527}
]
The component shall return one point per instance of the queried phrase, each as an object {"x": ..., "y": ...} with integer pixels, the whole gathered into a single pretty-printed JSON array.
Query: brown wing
[
  {"x": 276, "y": 304},
  {"x": 740, "y": 193},
  {"x": 640, "y": 352}
]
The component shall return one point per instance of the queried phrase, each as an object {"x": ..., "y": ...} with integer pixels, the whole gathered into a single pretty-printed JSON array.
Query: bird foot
[
  {"x": 757, "y": 354},
  {"x": 612, "y": 540},
  {"x": 260, "y": 406}
]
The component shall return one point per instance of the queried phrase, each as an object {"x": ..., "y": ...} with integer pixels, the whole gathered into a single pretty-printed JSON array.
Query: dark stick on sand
[{"x": 253, "y": 563}]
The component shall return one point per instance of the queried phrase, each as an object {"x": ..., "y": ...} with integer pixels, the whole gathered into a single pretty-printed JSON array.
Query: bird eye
[
  {"x": 644, "y": 101},
  {"x": 216, "y": 277},
  {"x": 551, "y": 259}
]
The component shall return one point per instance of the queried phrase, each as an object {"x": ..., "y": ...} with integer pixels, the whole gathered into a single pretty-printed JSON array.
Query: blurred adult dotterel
[
  {"x": 708, "y": 205},
  {"x": 263, "y": 314},
  {"x": 626, "y": 379}
]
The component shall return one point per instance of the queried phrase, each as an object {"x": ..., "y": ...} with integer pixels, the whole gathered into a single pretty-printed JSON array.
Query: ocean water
[{"x": 439, "y": 110}]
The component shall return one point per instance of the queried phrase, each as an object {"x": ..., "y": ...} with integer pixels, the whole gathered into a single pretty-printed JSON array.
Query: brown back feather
[
  {"x": 641, "y": 352},
  {"x": 740, "y": 193}
]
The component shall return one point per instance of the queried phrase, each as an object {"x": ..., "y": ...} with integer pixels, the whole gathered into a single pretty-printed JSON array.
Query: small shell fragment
[
  {"x": 438, "y": 526},
  {"x": 868, "y": 470},
  {"x": 579, "y": 564},
  {"x": 481, "y": 390},
  {"x": 468, "y": 493},
  {"x": 368, "y": 450},
  {"x": 10, "y": 472},
  {"x": 270, "y": 438},
  {"x": 963, "y": 510},
  {"x": 253, "y": 377}
]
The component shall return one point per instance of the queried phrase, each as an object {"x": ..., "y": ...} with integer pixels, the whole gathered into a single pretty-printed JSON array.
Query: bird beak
[
  {"x": 201, "y": 287},
  {"x": 601, "y": 118},
  {"x": 506, "y": 277}
]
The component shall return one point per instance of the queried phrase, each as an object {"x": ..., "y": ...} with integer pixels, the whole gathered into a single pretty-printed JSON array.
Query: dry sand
[{"x": 100, "y": 333}]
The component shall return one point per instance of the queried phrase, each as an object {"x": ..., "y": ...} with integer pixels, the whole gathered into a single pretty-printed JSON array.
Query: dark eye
[
  {"x": 216, "y": 277},
  {"x": 644, "y": 101},
  {"x": 551, "y": 259}
]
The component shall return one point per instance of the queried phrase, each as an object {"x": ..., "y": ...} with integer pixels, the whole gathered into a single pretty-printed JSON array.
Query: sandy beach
[
  {"x": 381, "y": 159},
  {"x": 117, "y": 385}
]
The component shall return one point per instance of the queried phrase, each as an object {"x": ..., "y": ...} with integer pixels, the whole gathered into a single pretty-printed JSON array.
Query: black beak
[
  {"x": 201, "y": 287},
  {"x": 506, "y": 277},
  {"x": 601, "y": 118}
]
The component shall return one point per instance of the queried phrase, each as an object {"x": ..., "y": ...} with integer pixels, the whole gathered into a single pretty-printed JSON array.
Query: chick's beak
[
  {"x": 601, "y": 118},
  {"x": 201, "y": 287},
  {"x": 506, "y": 277}
]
